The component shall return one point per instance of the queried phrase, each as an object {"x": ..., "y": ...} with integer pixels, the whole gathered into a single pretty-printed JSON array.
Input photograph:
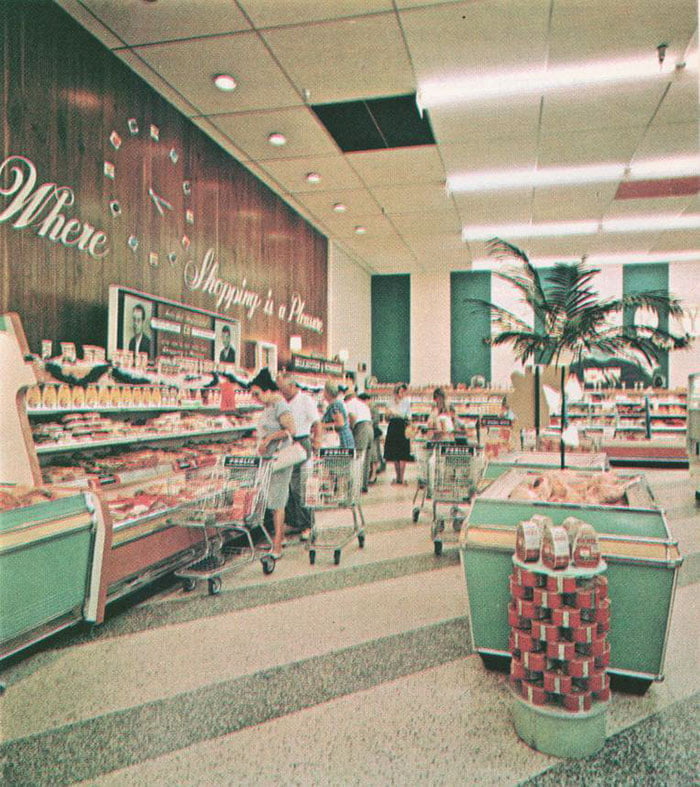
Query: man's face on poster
[
  {"x": 137, "y": 320},
  {"x": 226, "y": 338}
]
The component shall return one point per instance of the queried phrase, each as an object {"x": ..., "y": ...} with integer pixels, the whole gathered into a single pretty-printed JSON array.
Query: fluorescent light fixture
[
  {"x": 313, "y": 177},
  {"x": 527, "y": 178},
  {"x": 619, "y": 258},
  {"x": 557, "y": 176},
  {"x": 277, "y": 139},
  {"x": 552, "y": 229},
  {"x": 225, "y": 82},
  {"x": 676, "y": 167},
  {"x": 652, "y": 223},
  {"x": 548, "y": 229},
  {"x": 538, "y": 81}
]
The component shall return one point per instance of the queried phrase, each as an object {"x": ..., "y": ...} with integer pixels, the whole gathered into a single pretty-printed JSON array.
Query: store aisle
[{"x": 352, "y": 674}]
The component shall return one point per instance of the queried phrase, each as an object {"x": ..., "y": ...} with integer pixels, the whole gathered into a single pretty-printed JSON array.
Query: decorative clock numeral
[
  {"x": 133, "y": 126},
  {"x": 174, "y": 155},
  {"x": 189, "y": 217},
  {"x": 186, "y": 188},
  {"x": 108, "y": 169},
  {"x": 115, "y": 140},
  {"x": 172, "y": 258},
  {"x": 155, "y": 133},
  {"x": 133, "y": 243},
  {"x": 185, "y": 242},
  {"x": 153, "y": 259},
  {"x": 115, "y": 208}
]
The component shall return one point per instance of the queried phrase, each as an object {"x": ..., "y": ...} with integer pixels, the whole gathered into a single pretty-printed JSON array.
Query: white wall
[
  {"x": 684, "y": 283},
  {"x": 430, "y": 322},
  {"x": 430, "y": 328},
  {"x": 349, "y": 310}
]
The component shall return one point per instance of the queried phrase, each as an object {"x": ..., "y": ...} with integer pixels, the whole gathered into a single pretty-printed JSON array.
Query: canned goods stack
[{"x": 558, "y": 640}]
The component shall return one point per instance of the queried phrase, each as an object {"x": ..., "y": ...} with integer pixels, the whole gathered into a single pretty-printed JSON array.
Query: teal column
[
  {"x": 470, "y": 325},
  {"x": 391, "y": 328},
  {"x": 642, "y": 278}
]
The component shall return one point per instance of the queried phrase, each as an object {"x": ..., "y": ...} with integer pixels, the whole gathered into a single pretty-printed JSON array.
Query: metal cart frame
[
  {"x": 234, "y": 506},
  {"x": 457, "y": 470},
  {"x": 423, "y": 450},
  {"x": 333, "y": 480}
]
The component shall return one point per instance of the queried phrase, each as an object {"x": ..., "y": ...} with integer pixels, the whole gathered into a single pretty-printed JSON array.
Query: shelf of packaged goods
[
  {"x": 166, "y": 513},
  {"x": 155, "y": 408},
  {"x": 143, "y": 437}
]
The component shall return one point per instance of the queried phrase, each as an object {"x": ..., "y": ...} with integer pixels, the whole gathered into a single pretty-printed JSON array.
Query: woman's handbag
[{"x": 292, "y": 454}]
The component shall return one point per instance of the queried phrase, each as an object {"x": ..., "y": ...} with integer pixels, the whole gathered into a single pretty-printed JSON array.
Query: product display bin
[
  {"x": 643, "y": 561},
  {"x": 543, "y": 460},
  {"x": 49, "y": 568}
]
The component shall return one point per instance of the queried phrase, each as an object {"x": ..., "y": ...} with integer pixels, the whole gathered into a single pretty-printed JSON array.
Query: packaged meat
[
  {"x": 586, "y": 549},
  {"x": 555, "y": 547}
]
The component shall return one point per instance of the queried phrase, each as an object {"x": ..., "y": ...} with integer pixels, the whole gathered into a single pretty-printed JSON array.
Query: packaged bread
[
  {"x": 49, "y": 396},
  {"x": 91, "y": 396},
  {"x": 64, "y": 398},
  {"x": 127, "y": 396},
  {"x": 78, "y": 396},
  {"x": 104, "y": 396},
  {"x": 33, "y": 397},
  {"x": 528, "y": 540}
]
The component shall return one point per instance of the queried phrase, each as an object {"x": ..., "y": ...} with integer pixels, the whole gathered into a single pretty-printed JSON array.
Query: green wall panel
[
  {"x": 470, "y": 323},
  {"x": 640, "y": 278},
  {"x": 391, "y": 328}
]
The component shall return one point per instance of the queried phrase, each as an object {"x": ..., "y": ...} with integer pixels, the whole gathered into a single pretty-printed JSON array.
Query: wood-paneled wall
[{"x": 61, "y": 97}]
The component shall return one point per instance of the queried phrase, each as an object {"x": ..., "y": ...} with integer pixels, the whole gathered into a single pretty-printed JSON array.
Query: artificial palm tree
[{"x": 572, "y": 322}]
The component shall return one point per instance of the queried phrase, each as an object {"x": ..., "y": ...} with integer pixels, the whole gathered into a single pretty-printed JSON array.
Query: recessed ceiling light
[
  {"x": 360, "y": 230},
  {"x": 277, "y": 139},
  {"x": 313, "y": 177},
  {"x": 225, "y": 82},
  {"x": 340, "y": 207}
]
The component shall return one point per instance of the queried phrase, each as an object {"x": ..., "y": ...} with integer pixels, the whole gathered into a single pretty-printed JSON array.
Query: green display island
[
  {"x": 533, "y": 460},
  {"x": 642, "y": 558}
]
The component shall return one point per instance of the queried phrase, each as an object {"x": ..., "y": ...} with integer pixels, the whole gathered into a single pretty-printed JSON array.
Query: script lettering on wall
[
  {"x": 205, "y": 278},
  {"x": 42, "y": 207}
]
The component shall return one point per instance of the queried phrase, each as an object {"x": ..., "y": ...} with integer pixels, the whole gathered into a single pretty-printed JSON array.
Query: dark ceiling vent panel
[{"x": 376, "y": 123}]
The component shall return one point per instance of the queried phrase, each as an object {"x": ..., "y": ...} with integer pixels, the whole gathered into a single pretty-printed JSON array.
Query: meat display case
[{"x": 127, "y": 466}]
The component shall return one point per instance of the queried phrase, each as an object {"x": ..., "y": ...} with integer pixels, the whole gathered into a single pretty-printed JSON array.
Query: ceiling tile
[
  {"x": 493, "y": 207},
  {"x": 670, "y": 139},
  {"x": 377, "y": 226},
  {"x": 440, "y": 250},
  {"x": 368, "y": 55},
  {"x": 412, "y": 198},
  {"x": 250, "y": 131},
  {"x": 261, "y": 84},
  {"x": 569, "y": 203},
  {"x": 500, "y": 153},
  {"x": 644, "y": 207},
  {"x": 574, "y": 148},
  {"x": 359, "y": 202},
  {"x": 629, "y": 105},
  {"x": 455, "y": 39},
  {"x": 680, "y": 104},
  {"x": 583, "y": 30},
  {"x": 137, "y": 22},
  {"x": 264, "y": 13},
  {"x": 398, "y": 165},
  {"x": 334, "y": 171},
  {"x": 442, "y": 222},
  {"x": 214, "y": 133},
  {"x": 476, "y": 123}
]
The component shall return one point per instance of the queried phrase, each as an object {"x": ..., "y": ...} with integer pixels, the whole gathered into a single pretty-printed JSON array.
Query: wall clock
[{"x": 145, "y": 174}]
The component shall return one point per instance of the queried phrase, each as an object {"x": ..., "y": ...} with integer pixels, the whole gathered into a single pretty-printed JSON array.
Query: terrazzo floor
[{"x": 337, "y": 675}]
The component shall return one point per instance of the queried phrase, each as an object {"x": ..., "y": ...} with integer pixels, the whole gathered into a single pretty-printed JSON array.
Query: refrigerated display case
[
  {"x": 643, "y": 561},
  {"x": 694, "y": 431}
]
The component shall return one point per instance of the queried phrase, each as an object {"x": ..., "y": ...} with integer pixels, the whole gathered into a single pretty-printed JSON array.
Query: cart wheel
[
  {"x": 336, "y": 557},
  {"x": 457, "y": 523},
  {"x": 361, "y": 540},
  {"x": 416, "y": 514},
  {"x": 312, "y": 556},
  {"x": 268, "y": 564},
  {"x": 215, "y": 586},
  {"x": 189, "y": 584},
  {"x": 437, "y": 546}
]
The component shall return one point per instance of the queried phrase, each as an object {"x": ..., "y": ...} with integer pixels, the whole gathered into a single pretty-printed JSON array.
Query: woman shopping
[
  {"x": 275, "y": 429},
  {"x": 336, "y": 417},
  {"x": 397, "y": 446}
]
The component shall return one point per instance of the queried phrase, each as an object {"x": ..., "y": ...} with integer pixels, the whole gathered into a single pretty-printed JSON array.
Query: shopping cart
[
  {"x": 333, "y": 480},
  {"x": 229, "y": 507},
  {"x": 456, "y": 477},
  {"x": 423, "y": 451}
]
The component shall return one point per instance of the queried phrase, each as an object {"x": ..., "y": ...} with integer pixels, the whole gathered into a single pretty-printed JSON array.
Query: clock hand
[{"x": 159, "y": 202}]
